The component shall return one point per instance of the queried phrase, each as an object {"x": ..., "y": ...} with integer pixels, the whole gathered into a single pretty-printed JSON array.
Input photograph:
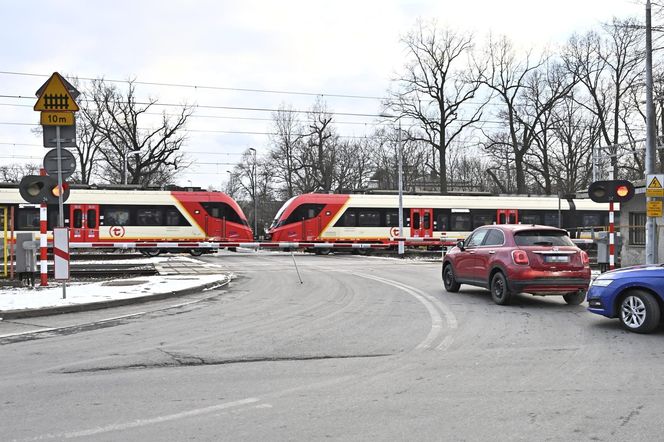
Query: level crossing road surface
[{"x": 363, "y": 348}]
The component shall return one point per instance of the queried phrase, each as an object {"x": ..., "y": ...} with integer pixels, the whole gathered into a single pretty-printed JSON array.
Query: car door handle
[
  {"x": 472, "y": 252},
  {"x": 492, "y": 252}
]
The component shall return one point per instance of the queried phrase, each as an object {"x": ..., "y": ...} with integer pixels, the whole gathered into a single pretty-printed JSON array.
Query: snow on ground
[
  {"x": 85, "y": 292},
  {"x": 19, "y": 298}
]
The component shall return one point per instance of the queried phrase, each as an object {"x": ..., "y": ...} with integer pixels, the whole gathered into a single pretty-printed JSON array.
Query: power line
[{"x": 221, "y": 88}]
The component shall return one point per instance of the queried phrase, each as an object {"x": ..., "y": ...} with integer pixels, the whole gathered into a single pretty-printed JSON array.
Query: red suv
[{"x": 514, "y": 258}]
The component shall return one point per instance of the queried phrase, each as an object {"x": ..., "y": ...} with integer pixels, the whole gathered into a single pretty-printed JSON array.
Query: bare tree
[
  {"x": 517, "y": 87},
  {"x": 285, "y": 145},
  {"x": 436, "y": 89},
  {"x": 608, "y": 68},
  {"x": 151, "y": 156},
  {"x": 12, "y": 173}
]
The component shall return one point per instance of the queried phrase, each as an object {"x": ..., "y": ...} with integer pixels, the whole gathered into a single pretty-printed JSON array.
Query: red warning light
[{"x": 622, "y": 191}]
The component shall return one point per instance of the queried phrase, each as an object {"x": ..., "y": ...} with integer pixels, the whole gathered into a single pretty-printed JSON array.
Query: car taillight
[
  {"x": 520, "y": 257},
  {"x": 584, "y": 258}
]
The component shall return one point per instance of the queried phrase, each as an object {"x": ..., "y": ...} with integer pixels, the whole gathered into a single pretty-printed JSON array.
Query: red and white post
[
  {"x": 612, "y": 247},
  {"x": 43, "y": 240}
]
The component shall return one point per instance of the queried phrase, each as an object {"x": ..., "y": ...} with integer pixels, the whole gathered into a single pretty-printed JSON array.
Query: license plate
[{"x": 556, "y": 258}]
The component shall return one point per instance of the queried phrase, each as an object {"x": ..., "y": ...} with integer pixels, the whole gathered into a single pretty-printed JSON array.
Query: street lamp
[
  {"x": 400, "y": 243},
  {"x": 254, "y": 192}
]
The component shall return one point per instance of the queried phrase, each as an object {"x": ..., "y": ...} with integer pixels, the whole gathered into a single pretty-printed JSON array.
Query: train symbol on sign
[{"x": 59, "y": 101}]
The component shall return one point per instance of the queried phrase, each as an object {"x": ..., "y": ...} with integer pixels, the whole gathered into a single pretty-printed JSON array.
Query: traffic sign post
[
  {"x": 56, "y": 100},
  {"x": 55, "y": 118}
]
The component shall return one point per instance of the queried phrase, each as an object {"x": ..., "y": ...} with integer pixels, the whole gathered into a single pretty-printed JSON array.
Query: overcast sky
[{"x": 335, "y": 47}]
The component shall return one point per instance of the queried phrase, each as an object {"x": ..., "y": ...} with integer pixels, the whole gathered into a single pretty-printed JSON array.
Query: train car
[
  {"x": 375, "y": 218},
  {"x": 117, "y": 215}
]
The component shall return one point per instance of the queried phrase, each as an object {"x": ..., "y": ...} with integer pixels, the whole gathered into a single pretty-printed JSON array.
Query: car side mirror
[{"x": 460, "y": 244}]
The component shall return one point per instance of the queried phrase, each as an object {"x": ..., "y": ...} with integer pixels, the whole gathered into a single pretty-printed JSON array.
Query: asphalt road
[{"x": 363, "y": 349}]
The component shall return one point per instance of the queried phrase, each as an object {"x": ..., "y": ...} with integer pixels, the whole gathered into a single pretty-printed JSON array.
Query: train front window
[
  {"x": 304, "y": 212},
  {"x": 221, "y": 210}
]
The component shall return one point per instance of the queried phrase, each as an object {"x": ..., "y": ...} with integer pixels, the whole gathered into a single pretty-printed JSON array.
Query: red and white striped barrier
[
  {"x": 61, "y": 253},
  {"x": 221, "y": 245}
]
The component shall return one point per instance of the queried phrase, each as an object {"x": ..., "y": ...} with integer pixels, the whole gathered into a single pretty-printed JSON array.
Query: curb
[{"x": 74, "y": 308}]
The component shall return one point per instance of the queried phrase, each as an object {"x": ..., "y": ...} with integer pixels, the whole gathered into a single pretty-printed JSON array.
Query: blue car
[{"x": 635, "y": 295}]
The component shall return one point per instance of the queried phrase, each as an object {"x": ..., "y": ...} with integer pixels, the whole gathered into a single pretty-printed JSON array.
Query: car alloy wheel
[{"x": 639, "y": 312}]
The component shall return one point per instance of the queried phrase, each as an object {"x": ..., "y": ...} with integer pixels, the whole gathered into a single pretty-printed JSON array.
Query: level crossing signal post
[
  {"x": 611, "y": 191},
  {"x": 56, "y": 101}
]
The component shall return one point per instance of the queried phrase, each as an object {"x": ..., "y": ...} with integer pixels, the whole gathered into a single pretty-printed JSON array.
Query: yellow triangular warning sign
[
  {"x": 655, "y": 184},
  {"x": 55, "y": 96}
]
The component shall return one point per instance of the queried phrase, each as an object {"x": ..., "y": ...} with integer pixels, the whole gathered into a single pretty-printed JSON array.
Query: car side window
[
  {"x": 495, "y": 237},
  {"x": 476, "y": 238}
]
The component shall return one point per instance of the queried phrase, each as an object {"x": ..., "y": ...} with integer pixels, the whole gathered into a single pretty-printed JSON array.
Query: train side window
[
  {"x": 441, "y": 221},
  {"x": 175, "y": 218},
  {"x": 149, "y": 217},
  {"x": 27, "y": 219},
  {"x": 92, "y": 219},
  {"x": 78, "y": 219},
  {"x": 482, "y": 220},
  {"x": 416, "y": 220},
  {"x": 115, "y": 216},
  {"x": 461, "y": 222},
  {"x": 426, "y": 220},
  {"x": 590, "y": 220},
  {"x": 52, "y": 216},
  {"x": 348, "y": 219},
  {"x": 530, "y": 218},
  {"x": 369, "y": 218},
  {"x": 392, "y": 218},
  {"x": 551, "y": 218}
]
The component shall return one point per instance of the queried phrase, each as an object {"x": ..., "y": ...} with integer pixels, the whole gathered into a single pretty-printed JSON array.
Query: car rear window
[{"x": 542, "y": 238}]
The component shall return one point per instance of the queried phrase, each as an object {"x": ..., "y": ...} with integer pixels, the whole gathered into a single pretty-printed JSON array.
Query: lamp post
[
  {"x": 253, "y": 173},
  {"x": 400, "y": 243},
  {"x": 400, "y": 249}
]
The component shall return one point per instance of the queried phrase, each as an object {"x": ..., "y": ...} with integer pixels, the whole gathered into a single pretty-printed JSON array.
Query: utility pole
[
  {"x": 254, "y": 191},
  {"x": 651, "y": 226}
]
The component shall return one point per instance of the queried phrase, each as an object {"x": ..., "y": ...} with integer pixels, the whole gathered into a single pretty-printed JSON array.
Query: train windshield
[{"x": 275, "y": 221}]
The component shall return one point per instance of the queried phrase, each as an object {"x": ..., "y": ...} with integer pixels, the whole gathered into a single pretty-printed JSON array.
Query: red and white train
[
  {"x": 375, "y": 218},
  {"x": 115, "y": 215}
]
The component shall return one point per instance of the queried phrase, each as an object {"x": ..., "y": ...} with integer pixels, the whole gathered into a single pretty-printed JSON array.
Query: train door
[
  {"x": 507, "y": 216},
  {"x": 421, "y": 223},
  {"x": 83, "y": 222},
  {"x": 311, "y": 224}
]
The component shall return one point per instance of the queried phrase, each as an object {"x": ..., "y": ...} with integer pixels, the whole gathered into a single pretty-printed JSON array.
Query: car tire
[
  {"x": 500, "y": 292},
  {"x": 639, "y": 312},
  {"x": 449, "y": 281},
  {"x": 575, "y": 298}
]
